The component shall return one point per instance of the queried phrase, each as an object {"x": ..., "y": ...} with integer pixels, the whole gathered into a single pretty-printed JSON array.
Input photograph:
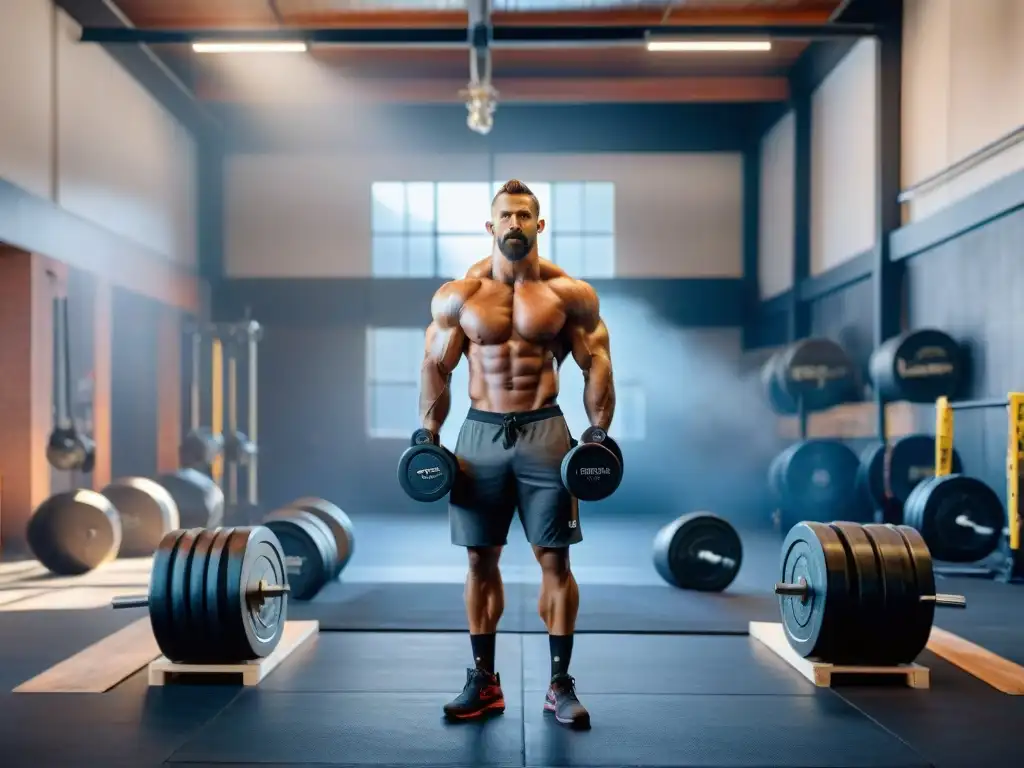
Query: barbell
[
  {"x": 317, "y": 539},
  {"x": 960, "y": 517},
  {"x": 699, "y": 551},
  {"x": 216, "y": 596},
  {"x": 858, "y": 594}
]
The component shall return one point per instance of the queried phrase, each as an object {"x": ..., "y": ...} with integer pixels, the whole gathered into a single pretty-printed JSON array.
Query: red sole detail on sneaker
[{"x": 495, "y": 707}]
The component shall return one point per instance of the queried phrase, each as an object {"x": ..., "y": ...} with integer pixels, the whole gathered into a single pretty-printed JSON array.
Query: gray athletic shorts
[{"x": 509, "y": 461}]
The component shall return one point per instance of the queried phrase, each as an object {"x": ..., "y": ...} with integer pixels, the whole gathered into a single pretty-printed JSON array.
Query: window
[
  {"x": 436, "y": 229},
  {"x": 393, "y": 360}
]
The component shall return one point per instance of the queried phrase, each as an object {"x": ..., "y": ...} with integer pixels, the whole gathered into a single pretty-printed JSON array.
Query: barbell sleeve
[
  {"x": 130, "y": 601},
  {"x": 792, "y": 590},
  {"x": 946, "y": 601}
]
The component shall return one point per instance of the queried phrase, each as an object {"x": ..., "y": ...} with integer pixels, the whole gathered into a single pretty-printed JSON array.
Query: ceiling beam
[
  {"x": 146, "y": 67},
  {"x": 521, "y": 90},
  {"x": 216, "y": 17},
  {"x": 457, "y": 36}
]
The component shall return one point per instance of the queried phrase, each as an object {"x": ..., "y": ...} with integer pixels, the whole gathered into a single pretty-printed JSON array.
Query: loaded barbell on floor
[
  {"x": 74, "y": 532},
  {"x": 858, "y": 594},
  {"x": 814, "y": 478},
  {"x": 698, "y": 551},
  {"x": 216, "y": 596},
  {"x": 317, "y": 540}
]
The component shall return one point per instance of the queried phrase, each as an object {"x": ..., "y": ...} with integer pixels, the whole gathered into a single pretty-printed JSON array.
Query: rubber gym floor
[{"x": 671, "y": 678}]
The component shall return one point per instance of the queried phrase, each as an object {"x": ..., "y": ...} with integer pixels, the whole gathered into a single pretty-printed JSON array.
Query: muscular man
[{"x": 515, "y": 318}]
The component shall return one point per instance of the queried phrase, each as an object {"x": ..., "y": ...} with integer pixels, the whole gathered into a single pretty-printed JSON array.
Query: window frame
[{"x": 435, "y": 234}]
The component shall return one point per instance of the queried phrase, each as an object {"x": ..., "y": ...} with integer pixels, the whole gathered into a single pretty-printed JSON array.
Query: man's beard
[{"x": 515, "y": 247}]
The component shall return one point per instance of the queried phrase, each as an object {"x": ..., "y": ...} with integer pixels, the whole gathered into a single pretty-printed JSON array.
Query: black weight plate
[
  {"x": 200, "y": 501},
  {"x": 147, "y": 511},
  {"x": 216, "y": 595},
  {"x": 917, "y": 366},
  {"x": 337, "y": 521},
  {"x": 864, "y": 638},
  {"x": 900, "y": 586},
  {"x": 252, "y": 627},
  {"x": 775, "y": 471},
  {"x": 819, "y": 480},
  {"x": 778, "y": 400},
  {"x": 817, "y": 372},
  {"x": 161, "y": 596},
  {"x": 264, "y": 560},
  {"x": 198, "y": 626},
  {"x": 913, "y": 507},
  {"x": 185, "y": 648},
  {"x": 73, "y": 532},
  {"x": 871, "y": 475},
  {"x": 678, "y": 549},
  {"x": 309, "y": 550},
  {"x": 911, "y": 461},
  {"x": 960, "y": 518},
  {"x": 815, "y": 553},
  {"x": 921, "y": 619},
  {"x": 425, "y": 472},
  {"x": 591, "y": 472}
]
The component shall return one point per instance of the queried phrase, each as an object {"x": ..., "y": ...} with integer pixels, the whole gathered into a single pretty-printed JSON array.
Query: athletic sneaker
[
  {"x": 563, "y": 703},
  {"x": 481, "y": 696}
]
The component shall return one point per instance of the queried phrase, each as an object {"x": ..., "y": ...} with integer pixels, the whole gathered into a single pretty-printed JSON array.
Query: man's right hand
[{"x": 426, "y": 470}]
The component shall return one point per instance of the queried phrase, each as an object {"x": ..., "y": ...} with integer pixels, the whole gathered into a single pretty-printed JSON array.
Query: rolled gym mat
[
  {"x": 337, "y": 521},
  {"x": 917, "y": 366},
  {"x": 815, "y": 371},
  {"x": 73, "y": 532},
  {"x": 310, "y": 554},
  {"x": 200, "y": 501},
  {"x": 818, "y": 481},
  {"x": 147, "y": 511}
]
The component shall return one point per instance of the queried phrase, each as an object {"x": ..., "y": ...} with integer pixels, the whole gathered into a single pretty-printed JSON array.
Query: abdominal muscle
[{"x": 512, "y": 376}]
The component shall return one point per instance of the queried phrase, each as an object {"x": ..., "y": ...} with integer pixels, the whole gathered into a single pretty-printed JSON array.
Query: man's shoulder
[{"x": 578, "y": 295}]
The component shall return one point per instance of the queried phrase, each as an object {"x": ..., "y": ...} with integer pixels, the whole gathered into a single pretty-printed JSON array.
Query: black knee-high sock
[
  {"x": 561, "y": 654},
  {"x": 483, "y": 651}
]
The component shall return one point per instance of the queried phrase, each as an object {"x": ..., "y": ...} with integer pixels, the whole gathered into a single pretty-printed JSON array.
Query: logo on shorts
[{"x": 572, "y": 523}]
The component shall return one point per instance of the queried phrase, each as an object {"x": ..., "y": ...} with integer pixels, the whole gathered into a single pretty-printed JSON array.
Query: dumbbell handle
[
  {"x": 142, "y": 601},
  {"x": 716, "y": 559},
  {"x": 800, "y": 589}
]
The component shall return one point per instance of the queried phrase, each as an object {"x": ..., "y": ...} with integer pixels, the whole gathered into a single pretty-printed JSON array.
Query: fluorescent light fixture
[
  {"x": 666, "y": 46},
  {"x": 282, "y": 47}
]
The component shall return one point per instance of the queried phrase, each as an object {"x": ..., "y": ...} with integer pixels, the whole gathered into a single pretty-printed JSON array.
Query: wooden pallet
[
  {"x": 296, "y": 633},
  {"x": 824, "y": 675}
]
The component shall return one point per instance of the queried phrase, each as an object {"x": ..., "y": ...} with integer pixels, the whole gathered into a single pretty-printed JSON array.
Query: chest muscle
[{"x": 499, "y": 313}]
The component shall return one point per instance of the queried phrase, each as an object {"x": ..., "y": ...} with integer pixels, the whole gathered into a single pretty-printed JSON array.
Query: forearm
[
  {"x": 435, "y": 396},
  {"x": 599, "y": 392}
]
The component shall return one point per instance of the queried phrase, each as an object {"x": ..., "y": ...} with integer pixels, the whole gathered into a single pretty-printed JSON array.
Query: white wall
[
  {"x": 775, "y": 232},
  {"x": 963, "y": 87},
  {"x": 77, "y": 129},
  {"x": 290, "y": 215},
  {"x": 843, "y": 160}
]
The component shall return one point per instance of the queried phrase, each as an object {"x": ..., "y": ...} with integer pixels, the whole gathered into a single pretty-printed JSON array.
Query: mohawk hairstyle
[{"x": 516, "y": 187}]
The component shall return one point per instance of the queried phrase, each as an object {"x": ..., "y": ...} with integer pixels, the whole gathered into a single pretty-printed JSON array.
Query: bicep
[
  {"x": 589, "y": 340},
  {"x": 444, "y": 346}
]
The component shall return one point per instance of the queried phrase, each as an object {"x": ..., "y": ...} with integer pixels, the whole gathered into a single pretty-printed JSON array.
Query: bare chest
[{"x": 498, "y": 313}]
